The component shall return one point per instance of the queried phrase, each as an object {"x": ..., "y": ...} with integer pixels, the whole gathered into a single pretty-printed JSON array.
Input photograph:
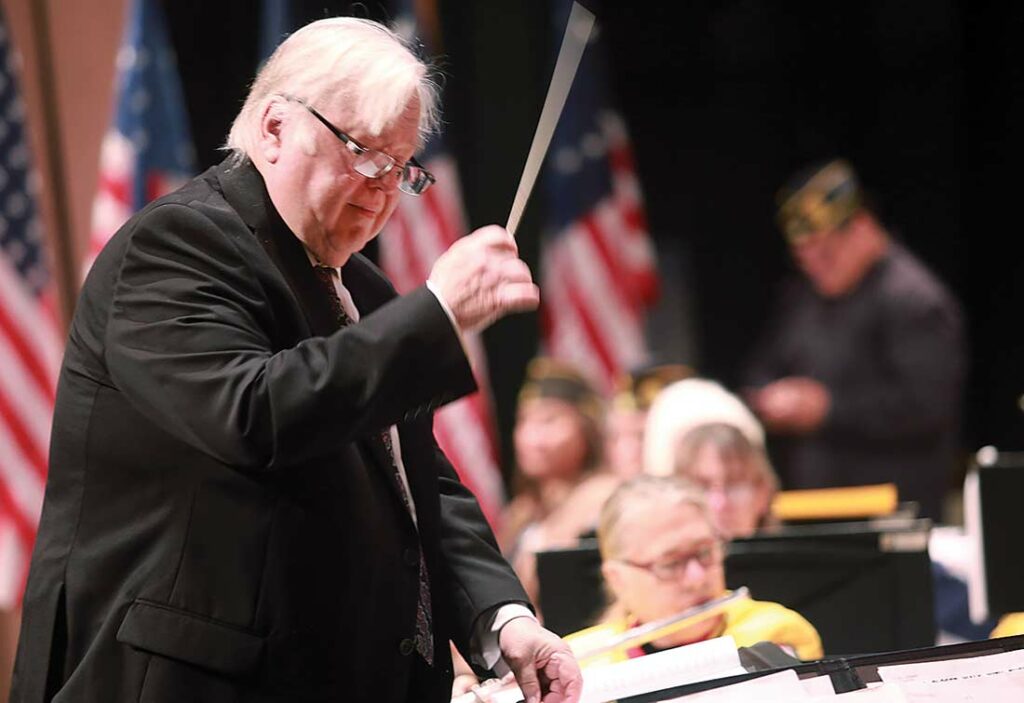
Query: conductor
[{"x": 245, "y": 500}]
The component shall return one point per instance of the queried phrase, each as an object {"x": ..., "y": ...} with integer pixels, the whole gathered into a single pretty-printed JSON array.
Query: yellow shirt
[
  {"x": 1009, "y": 624},
  {"x": 746, "y": 621}
]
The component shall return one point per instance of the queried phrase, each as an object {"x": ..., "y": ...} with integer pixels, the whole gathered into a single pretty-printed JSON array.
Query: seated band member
[
  {"x": 627, "y": 414},
  {"x": 560, "y": 483},
  {"x": 736, "y": 475},
  {"x": 660, "y": 556}
]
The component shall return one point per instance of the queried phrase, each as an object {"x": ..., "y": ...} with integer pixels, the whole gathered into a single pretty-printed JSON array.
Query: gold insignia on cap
[{"x": 824, "y": 202}]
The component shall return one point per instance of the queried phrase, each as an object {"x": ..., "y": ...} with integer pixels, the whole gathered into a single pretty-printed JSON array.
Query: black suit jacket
[{"x": 216, "y": 525}]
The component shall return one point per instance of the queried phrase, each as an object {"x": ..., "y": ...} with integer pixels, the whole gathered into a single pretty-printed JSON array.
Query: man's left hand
[
  {"x": 792, "y": 405},
  {"x": 542, "y": 662}
]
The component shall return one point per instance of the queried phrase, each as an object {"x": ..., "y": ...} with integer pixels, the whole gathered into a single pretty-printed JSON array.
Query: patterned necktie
[{"x": 424, "y": 640}]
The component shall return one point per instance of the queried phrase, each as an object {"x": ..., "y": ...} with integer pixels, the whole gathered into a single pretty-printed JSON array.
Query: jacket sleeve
[
  {"x": 189, "y": 341},
  {"x": 481, "y": 578}
]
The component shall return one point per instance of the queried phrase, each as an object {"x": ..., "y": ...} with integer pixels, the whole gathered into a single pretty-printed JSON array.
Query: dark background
[{"x": 724, "y": 99}]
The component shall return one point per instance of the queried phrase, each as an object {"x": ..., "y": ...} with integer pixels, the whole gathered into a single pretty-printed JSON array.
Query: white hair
[
  {"x": 360, "y": 62},
  {"x": 684, "y": 405}
]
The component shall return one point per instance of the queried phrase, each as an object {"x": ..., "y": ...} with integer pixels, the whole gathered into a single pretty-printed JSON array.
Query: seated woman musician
[
  {"x": 661, "y": 555},
  {"x": 735, "y": 474}
]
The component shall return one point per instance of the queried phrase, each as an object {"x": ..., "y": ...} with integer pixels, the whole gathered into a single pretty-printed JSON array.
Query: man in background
[{"x": 859, "y": 376}]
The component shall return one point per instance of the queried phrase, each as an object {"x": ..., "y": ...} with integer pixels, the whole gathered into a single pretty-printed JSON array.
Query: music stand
[{"x": 992, "y": 505}]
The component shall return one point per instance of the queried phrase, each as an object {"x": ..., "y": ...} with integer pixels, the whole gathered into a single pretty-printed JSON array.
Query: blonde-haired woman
[{"x": 661, "y": 555}]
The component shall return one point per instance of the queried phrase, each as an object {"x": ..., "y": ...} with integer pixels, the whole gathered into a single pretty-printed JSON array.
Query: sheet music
[
  {"x": 713, "y": 659},
  {"x": 702, "y": 661},
  {"x": 820, "y": 686},
  {"x": 995, "y": 678},
  {"x": 783, "y": 686},
  {"x": 885, "y": 693},
  {"x": 949, "y": 670},
  {"x": 1007, "y": 688}
]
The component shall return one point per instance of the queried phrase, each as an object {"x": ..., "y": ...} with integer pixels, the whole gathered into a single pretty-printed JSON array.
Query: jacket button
[
  {"x": 411, "y": 557},
  {"x": 406, "y": 647}
]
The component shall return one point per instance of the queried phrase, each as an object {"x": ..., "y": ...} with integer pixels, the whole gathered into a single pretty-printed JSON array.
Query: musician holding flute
[
  {"x": 661, "y": 556},
  {"x": 245, "y": 500}
]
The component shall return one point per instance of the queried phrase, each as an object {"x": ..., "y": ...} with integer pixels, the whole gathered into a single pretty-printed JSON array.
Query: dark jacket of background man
[{"x": 891, "y": 353}]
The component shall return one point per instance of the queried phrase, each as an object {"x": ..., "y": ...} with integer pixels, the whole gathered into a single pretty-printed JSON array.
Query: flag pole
[{"x": 60, "y": 234}]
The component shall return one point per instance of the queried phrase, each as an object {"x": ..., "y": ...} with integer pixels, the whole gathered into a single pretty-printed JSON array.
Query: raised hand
[{"x": 482, "y": 279}]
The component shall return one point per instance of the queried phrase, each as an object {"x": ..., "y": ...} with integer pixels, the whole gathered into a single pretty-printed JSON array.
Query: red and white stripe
[
  {"x": 30, "y": 349},
  {"x": 421, "y": 229},
  {"x": 113, "y": 203},
  {"x": 600, "y": 275}
]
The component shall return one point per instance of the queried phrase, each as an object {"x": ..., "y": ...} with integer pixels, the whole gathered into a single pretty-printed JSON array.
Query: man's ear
[{"x": 271, "y": 123}]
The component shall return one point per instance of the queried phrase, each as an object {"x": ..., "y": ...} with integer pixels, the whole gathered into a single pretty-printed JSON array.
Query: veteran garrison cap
[{"x": 819, "y": 199}]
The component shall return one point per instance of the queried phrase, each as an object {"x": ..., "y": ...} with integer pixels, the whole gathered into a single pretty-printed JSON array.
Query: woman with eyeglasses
[
  {"x": 735, "y": 474},
  {"x": 661, "y": 555},
  {"x": 699, "y": 430}
]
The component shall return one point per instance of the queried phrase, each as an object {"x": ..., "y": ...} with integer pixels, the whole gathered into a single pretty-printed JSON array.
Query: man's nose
[{"x": 388, "y": 182}]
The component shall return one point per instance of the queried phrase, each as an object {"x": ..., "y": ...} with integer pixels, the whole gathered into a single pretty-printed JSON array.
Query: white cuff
[{"x": 486, "y": 651}]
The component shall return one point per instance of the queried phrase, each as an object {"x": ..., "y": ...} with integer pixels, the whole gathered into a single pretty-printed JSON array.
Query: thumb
[{"x": 528, "y": 683}]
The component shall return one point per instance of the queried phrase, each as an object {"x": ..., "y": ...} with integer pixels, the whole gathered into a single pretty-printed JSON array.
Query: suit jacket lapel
[{"x": 244, "y": 189}]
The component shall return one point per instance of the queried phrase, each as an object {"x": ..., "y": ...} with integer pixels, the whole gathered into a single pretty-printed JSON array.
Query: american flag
[
  {"x": 598, "y": 267},
  {"x": 421, "y": 229},
  {"x": 30, "y": 340},
  {"x": 147, "y": 151}
]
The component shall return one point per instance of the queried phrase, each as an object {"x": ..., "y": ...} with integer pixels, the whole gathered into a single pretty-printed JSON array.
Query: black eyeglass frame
[
  {"x": 358, "y": 149},
  {"x": 665, "y": 572}
]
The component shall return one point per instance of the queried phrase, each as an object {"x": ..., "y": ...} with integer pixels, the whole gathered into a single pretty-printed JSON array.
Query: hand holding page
[{"x": 702, "y": 661}]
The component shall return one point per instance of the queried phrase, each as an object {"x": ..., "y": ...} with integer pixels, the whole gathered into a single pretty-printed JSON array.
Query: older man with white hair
[{"x": 245, "y": 500}]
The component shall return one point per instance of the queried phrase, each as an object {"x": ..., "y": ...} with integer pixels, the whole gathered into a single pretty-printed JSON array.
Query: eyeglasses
[
  {"x": 669, "y": 569},
  {"x": 735, "y": 492},
  {"x": 371, "y": 163}
]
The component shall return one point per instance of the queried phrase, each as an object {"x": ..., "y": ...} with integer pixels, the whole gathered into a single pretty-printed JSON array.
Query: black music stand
[{"x": 993, "y": 495}]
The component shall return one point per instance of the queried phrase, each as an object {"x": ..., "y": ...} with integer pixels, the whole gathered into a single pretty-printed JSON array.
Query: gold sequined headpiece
[
  {"x": 551, "y": 378},
  {"x": 636, "y": 389}
]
